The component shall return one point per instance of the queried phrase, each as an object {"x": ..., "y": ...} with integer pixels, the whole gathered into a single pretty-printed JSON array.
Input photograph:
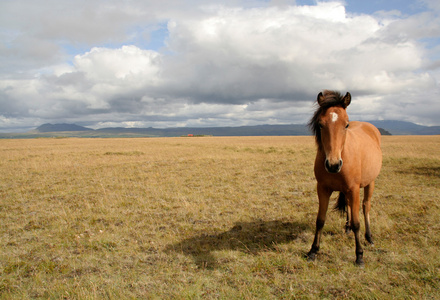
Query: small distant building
[{"x": 190, "y": 135}]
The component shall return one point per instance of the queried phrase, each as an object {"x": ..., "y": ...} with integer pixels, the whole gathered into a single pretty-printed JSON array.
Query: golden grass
[{"x": 208, "y": 218}]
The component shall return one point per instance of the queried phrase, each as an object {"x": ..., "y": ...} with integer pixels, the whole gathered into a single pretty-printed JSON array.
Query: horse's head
[{"x": 332, "y": 123}]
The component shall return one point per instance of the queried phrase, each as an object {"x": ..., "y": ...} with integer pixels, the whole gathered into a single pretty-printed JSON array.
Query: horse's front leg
[
  {"x": 355, "y": 223},
  {"x": 324, "y": 196}
]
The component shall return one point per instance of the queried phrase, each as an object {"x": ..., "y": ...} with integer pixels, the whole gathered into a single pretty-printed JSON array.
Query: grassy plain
[{"x": 208, "y": 218}]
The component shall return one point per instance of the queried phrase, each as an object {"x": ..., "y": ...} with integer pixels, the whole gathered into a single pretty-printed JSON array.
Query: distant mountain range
[
  {"x": 73, "y": 130},
  {"x": 259, "y": 130},
  {"x": 61, "y": 127},
  {"x": 406, "y": 128}
]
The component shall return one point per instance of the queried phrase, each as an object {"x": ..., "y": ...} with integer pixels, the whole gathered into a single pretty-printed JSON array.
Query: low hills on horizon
[{"x": 73, "y": 130}]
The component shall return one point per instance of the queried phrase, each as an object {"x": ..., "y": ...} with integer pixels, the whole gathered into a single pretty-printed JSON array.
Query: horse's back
[
  {"x": 366, "y": 137},
  {"x": 365, "y": 129}
]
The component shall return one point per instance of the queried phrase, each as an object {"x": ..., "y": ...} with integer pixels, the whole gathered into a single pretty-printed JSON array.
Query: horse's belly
[{"x": 371, "y": 165}]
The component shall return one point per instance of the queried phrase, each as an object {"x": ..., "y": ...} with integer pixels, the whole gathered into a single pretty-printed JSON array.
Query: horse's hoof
[
  {"x": 360, "y": 262},
  {"x": 311, "y": 256},
  {"x": 360, "y": 265},
  {"x": 369, "y": 240}
]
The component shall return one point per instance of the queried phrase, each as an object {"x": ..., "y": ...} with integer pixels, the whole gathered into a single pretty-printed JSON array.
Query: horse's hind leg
[
  {"x": 342, "y": 204},
  {"x": 348, "y": 222},
  {"x": 366, "y": 206}
]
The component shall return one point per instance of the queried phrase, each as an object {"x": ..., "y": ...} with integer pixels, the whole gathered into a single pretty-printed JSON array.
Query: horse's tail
[{"x": 341, "y": 203}]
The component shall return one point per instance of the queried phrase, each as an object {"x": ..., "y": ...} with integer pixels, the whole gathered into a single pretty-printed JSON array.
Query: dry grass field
[{"x": 208, "y": 218}]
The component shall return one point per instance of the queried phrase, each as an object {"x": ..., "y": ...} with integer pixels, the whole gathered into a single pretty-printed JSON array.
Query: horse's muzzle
[{"x": 333, "y": 168}]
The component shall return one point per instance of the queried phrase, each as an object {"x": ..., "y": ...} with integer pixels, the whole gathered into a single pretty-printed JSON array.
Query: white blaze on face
[{"x": 334, "y": 116}]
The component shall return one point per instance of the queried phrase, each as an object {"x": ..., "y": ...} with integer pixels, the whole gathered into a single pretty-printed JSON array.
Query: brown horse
[{"x": 349, "y": 158}]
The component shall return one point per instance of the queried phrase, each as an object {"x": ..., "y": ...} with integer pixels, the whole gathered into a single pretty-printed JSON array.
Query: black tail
[{"x": 341, "y": 203}]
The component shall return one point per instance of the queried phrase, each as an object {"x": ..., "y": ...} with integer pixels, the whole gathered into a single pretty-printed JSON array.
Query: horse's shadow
[{"x": 247, "y": 237}]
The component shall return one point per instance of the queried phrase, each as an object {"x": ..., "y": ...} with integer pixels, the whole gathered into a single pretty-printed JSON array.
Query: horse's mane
[{"x": 331, "y": 99}]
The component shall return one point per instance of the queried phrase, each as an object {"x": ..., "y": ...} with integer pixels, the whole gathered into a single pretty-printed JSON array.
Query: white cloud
[
  {"x": 126, "y": 66},
  {"x": 239, "y": 55}
]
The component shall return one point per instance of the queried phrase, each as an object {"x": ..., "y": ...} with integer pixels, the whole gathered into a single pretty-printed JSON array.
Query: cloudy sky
[{"x": 174, "y": 63}]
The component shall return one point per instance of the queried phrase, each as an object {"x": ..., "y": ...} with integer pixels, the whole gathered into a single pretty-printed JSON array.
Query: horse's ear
[
  {"x": 320, "y": 99},
  {"x": 347, "y": 99}
]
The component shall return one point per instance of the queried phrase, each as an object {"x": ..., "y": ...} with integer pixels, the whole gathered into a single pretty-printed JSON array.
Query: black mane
[{"x": 331, "y": 99}]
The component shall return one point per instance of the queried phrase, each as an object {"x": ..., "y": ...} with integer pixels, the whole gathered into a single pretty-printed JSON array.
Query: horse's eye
[
  {"x": 347, "y": 125},
  {"x": 320, "y": 126}
]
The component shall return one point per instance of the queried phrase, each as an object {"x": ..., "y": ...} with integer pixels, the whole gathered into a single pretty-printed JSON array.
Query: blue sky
[
  {"x": 200, "y": 63},
  {"x": 373, "y": 6}
]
